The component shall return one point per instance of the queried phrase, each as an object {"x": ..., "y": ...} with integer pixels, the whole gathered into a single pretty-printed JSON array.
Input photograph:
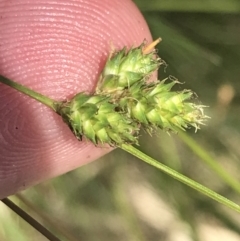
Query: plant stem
[
  {"x": 55, "y": 225},
  {"x": 31, "y": 93},
  {"x": 209, "y": 160},
  {"x": 189, "y": 182},
  {"x": 30, "y": 220}
]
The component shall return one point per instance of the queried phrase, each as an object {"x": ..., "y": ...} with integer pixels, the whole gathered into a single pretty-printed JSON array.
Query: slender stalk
[
  {"x": 189, "y": 182},
  {"x": 209, "y": 160},
  {"x": 54, "y": 224},
  {"x": 31, "y": 93},
  {"x": 30, "y": 220}
]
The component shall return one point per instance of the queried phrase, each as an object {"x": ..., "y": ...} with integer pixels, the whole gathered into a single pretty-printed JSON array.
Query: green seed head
[
  {"x": 154, "y": 105},
  {"x": 125, "y": 68},
  {"x": 96, "y": 119},
  {"x": 124, "y": 101}
]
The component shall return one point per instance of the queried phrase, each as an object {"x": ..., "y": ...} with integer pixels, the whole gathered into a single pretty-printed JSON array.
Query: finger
[{"x": 57, "y": 48}]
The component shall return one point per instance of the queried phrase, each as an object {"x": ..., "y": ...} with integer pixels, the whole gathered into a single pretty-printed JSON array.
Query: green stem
[
  {"x": 209, "y": 160},
  {"x": 31, "y": 93},
  {"x": 189, "y": 182},
  {"x": 45, "y": 232},
  {"x": 48, "y": 221}
]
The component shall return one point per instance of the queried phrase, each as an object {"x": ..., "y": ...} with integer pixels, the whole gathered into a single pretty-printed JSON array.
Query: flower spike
[
  {"x": 124, "y": 101},
  {"x": 125, "y": 68}
]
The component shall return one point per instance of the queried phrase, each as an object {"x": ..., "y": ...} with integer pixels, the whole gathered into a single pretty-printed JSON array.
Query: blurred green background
[{"x": 119, "y": 197}]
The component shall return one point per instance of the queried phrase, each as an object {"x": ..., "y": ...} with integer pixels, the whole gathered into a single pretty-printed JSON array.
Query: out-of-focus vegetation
[{"x": 121, "y": 198}]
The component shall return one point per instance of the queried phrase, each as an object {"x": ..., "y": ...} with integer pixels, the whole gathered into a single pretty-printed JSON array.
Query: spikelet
[
  {"x": 154, "y": 105},
  {"x": 124, "y": 68},
  {"x": 96, "y": 119}
]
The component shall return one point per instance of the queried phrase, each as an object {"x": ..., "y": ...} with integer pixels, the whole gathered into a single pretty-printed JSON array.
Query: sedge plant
[{"x": 125, "y": 100}]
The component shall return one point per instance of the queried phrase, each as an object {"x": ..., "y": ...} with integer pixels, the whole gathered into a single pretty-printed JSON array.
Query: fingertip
[{"x": 57, "y": 48}]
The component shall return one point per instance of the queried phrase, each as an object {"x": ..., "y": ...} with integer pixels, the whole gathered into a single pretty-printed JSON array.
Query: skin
[{"x": 57, "y": 48}]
